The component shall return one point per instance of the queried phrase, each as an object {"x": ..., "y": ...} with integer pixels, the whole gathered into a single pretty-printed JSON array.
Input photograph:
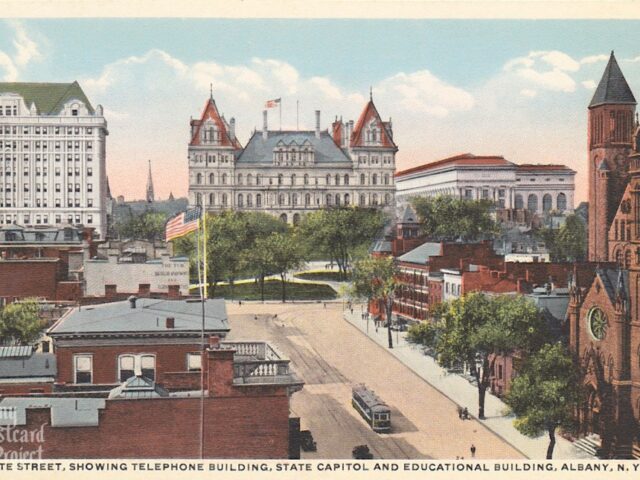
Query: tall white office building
[{"x": 52, "y": 156}]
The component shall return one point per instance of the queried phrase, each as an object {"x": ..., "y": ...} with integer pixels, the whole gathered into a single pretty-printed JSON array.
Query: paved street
[{"x": 331, "y": 355}]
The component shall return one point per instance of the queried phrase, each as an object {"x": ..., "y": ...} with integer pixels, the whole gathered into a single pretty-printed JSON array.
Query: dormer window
[
  {"x": 373, "y": 133},
  {"x": 74, "y": 110},
  {"x": 210, "y": 133}
]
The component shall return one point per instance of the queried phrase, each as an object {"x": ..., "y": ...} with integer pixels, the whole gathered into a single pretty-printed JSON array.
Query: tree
[
  {"x": 148, "y": 225},
  {"x": 284, "y": 255},
  {"x": 544, "y": 393},
  {"x": 476, "y": 328},
  {"x": 374, "y": 279},
  {"x": 340, "y": 233},
  {"x": 449, "y": 218},
  {"x": 20, "y": 323},
  {"x": 423, "y": 333},
  {"x": 568, "y": 243}
]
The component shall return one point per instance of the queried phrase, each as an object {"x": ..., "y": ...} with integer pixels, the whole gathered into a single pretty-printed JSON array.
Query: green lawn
[
  {"x": 273, "y": 291},
  {"x": 326, "y": 275}
]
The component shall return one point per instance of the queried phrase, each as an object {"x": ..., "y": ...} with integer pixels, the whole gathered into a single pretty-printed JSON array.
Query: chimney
[
  {"x": 171, "y": 322},
  {"x": 264, "y": 125},
  {"x": 132, "y": 301},
  {"x": 317, "y": 123},
  {"x": 219, "y": 370},
  {"x": 232, "y": 128},
  {"x": 214, "y": 342}
]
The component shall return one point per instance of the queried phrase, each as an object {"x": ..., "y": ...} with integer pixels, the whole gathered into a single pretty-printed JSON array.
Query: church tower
[
  {"x": 611, "y": 123},
  {"x": 150, "y": 196}
]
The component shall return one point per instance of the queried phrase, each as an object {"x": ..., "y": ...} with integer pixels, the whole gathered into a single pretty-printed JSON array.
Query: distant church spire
[{"x": 150, "y": 196}]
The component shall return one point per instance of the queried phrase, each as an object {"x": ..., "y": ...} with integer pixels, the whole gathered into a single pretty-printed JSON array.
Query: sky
[{"x": 517, "y": 88}]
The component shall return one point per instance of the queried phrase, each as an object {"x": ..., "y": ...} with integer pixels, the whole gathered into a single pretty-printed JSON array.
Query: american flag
[
  {"x": 272, "y": 103},
  {"x": 182, "y": 223}
]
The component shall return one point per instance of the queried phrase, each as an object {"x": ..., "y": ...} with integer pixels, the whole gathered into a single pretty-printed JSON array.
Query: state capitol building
[{"x": 288, "y": 173}]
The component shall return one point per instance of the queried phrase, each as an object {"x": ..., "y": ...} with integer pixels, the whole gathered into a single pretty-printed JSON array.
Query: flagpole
[
  {"x": 204, "y": 247},
  {"x": 202, "y": 353}
]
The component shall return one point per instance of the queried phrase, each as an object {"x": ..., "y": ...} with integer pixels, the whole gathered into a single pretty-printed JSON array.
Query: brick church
[{"x": 604, "y": 315}]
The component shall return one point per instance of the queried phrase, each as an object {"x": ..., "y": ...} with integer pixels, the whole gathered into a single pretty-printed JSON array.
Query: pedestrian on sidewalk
[
  {"x": 465, "y": 414},
  {"x": 459, "y": 412},
  {"x": 473, "y": 451}
]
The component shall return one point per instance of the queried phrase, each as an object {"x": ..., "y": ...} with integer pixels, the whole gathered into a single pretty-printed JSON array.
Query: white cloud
[
  {"x": 527, "y": 92},
  {"x": 589, "y": 84},
  {"x": 422, "y": 92},
  {"x": 26, "y": 51},
  {"x": 594, "y": 59},
  {"x": 545, "y": 69}
]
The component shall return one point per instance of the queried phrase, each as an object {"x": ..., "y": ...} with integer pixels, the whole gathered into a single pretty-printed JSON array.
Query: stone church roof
[{"x": 613, "y": 87}]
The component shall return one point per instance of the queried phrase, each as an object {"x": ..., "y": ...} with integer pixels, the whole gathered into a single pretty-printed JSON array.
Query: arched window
[
  {"x": 281, "y": 199},
  {"x": 374, "y": 199},
  {"x": 307, "y": 199},
  {"x": 306, "y": 179},
  {"x": 199, "y": 179},
  {"x": 362, "y": 200},
  {"x": 328, "y": 199},
  {"x": 293, "y": 179},
  {"x": 519, "y": 203},
  {"x": 374, "y": 179},
  {"x": 296, "y": 218},
  {"x": 346, "y": 179},
  {"x": 627, "y": 259},
  {"x": 239, "y": 179},
  {"x": 212, "y": 198},
  {"x": 532, "y": 203},
  {"x": 337, "y": 179},
  {"x": 258, "y": 179},
  {"x": 294, "y": 199},
  {"x": 283, "y": 217},
  {"x": 386, "y": 179},
  {"x": 224, "y": 178},
  {"x": 225, "y": 200},
  {"x": 362, "y": 179},
  {"x": 258, "y": 200},
  {"x": 249, "y": 200},
  {"x": 337, "y": 199},
  {"x": 618, "y": 257},
  {"x": 280, "y": 179},
  {"x": 546, "y": 203},
  {"x": 212, "y": 179},
  {"x": 346, "y": 199},
  {"x": 240, "y": 200},
  {"x": 328, "y": 179},
  {"x": 561, "y": 202},
  {"x": 249, "y": 179},
  {"x": 198, "y": 199}
]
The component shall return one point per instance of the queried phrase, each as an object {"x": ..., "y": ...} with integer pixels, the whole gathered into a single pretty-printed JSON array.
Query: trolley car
[{"x": 375, "y": 412}]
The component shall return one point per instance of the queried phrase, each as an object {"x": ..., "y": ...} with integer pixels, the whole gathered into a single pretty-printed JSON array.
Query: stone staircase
[{"x": 589, "y": 444}]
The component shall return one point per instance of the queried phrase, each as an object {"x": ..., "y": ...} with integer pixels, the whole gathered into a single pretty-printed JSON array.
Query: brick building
[
  {"x": 116, "y": 366},
  {"x": 604, "y": 313},
  {"x": 43, "y": 262},
  {"x": 250, "y": 394}
]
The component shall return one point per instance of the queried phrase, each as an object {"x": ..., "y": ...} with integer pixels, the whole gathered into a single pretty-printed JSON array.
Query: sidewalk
[{"x": 460, "y": 391}]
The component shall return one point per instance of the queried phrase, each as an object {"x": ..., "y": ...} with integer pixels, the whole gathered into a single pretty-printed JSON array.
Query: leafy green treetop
[
  {"x": 544, "y": 393},
  {"x": 20, "y": 323},
  {"x": 374, "y": 279},
  {"x": 450, "y": 218}
]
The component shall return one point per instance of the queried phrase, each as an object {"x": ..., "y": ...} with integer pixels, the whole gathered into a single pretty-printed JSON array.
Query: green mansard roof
[{"x": 48, "y": 97}]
